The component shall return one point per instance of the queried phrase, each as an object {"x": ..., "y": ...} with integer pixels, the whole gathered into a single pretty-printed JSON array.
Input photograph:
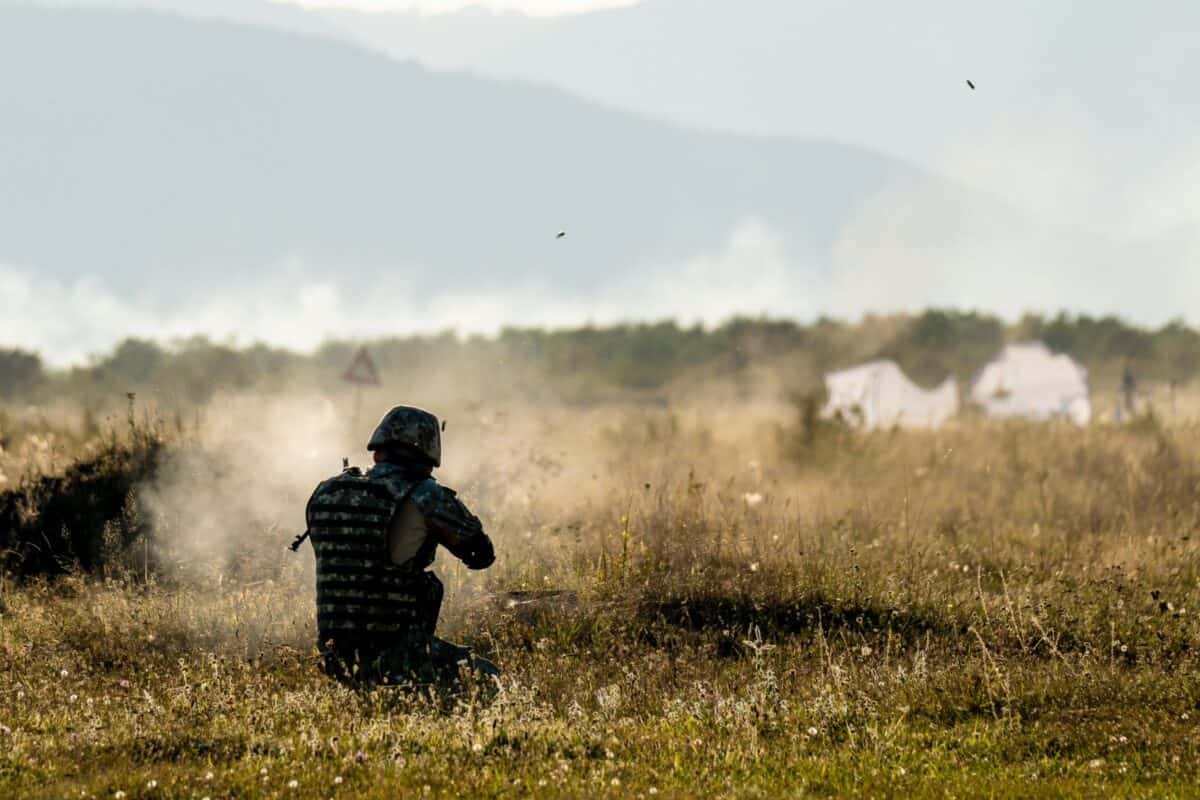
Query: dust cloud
[{"x": 544, "y": 477}]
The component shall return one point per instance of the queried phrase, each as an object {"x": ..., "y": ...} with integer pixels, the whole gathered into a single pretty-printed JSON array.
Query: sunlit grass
[{"x": 1006, "y": 610}]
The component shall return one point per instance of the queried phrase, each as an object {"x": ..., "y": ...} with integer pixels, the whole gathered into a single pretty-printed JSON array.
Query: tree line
[{"x": 643, "y": 357}]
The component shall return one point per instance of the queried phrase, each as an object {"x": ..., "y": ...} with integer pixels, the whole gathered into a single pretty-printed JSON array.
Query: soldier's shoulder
[
  {"x": 441, "y": 503},
  {"x": 429, "y": 493}
]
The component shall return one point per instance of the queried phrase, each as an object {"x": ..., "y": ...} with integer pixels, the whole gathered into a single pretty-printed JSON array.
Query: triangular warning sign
[{"x": 362, "y": 370}]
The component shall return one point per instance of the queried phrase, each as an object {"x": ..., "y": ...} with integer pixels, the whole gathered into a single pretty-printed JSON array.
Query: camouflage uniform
[{"x": 376, "y": 618}]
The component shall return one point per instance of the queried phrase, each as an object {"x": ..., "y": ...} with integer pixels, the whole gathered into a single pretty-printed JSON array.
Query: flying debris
[
  {"x": 971, "y": 84},
  {"x": 561, "y": 234}
]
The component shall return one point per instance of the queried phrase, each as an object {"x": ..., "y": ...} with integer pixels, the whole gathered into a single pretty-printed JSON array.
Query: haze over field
[{"x": 285, "y": 173}]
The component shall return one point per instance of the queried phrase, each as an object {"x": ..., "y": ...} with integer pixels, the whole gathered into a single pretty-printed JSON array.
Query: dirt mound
[{"x": 53, "y": 524}]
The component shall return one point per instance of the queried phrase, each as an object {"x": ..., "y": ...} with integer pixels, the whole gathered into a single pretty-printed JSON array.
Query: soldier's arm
[{"x": 454, "y": 526}]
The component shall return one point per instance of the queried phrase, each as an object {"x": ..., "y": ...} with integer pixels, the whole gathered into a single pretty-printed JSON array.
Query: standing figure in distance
[{"x": 375, "y": 535}]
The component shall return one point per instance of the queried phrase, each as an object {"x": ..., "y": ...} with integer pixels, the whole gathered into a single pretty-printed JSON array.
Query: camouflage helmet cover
[{"x": 411, "y": 426}]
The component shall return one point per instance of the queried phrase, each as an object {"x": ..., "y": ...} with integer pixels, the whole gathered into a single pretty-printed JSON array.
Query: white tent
[
  {"x": 879, "y": 395},
  {"x": 1027, "y": 380}
]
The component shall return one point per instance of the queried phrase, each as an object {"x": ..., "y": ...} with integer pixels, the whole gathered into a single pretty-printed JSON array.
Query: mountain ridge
[{"x": 169, "y": 170}]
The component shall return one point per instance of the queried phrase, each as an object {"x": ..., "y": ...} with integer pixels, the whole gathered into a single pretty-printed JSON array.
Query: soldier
[{"x": 375, "y": 536}]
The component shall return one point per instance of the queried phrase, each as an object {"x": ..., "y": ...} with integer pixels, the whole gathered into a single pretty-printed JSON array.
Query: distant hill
[
  {"x": 169, "y": 159},
  {"x": 144, "y": 147},
  {"x": 1081, "y": 115}
]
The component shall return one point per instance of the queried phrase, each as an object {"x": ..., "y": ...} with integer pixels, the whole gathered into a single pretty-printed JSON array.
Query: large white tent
[
  {"x": 1029, "y": 381},
  {"x": 879, "y": 395}
]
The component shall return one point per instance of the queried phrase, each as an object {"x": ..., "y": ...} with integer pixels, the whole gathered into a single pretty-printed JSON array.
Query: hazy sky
[{"x": 532, "y": 7}]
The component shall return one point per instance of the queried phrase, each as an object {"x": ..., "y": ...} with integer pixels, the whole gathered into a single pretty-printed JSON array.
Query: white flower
[
  {"x": 293, "y": 783},
  {"x": 208, "y": 776},
  {"x": 616, "y": 781},
  {"x": 151, "y": 784},
  {"x": 752, "y": 499},
  {"x": 119, "y": 795},
  {"x": 337, "y": 781},
  {"x": 813, "y": 731},
  {"x": 866, "y": 651},
  {"x": 63, "y": 673}
]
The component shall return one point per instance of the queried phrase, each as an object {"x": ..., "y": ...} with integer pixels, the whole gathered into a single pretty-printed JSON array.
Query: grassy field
[{"x": 686, "y": 603}]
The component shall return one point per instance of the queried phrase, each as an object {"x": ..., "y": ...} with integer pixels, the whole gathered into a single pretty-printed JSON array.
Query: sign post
[{"x": 361, "y": 372}]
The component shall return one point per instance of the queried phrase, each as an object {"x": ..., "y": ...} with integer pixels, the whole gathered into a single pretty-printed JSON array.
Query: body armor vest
[{"x": 360, "y": 592}]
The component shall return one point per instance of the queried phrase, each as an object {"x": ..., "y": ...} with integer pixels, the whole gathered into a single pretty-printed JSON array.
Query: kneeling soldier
[{"x": 375, "y": 535}]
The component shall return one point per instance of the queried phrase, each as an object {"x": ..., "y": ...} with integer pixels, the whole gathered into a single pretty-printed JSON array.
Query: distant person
[
  {"x": 375, "y": 536},
  {"x": 1129, "y": 388}
]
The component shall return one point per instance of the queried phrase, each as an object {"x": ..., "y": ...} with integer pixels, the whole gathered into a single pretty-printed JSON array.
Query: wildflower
[
  {"x": 293, "y": 783},
  {"x": 119, "y": 795},
  {"x": 337, "y": 781},
  {"x": 477, "y": 748},
  {"x": 754, "y": 566},
  {"x": 72, "y": 698},
  {"x": 1096, "y": 763},
  {"x": 6, "y": 731},
  {"x": 813, "y": 731},
  {"x": 360, "y": 756},
  {"x": 63, "y": 673},
  {"x": 208, "y": 776},
  {"x": 866, "y": 650},
  {"x": 124, "y": 684},
  {"x": 616, "y": 781},
  {"x": 652, "y": 790},
  {"x": 151, "y": 784},
  {"x": 752, "y": 499}
]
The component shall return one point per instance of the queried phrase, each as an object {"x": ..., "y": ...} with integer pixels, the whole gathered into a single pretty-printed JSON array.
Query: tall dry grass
[{"x": 689, "y": 601}]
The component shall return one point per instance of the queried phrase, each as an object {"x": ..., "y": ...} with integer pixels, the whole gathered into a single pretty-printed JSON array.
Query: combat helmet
[{"x": 415, "y": 427}]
